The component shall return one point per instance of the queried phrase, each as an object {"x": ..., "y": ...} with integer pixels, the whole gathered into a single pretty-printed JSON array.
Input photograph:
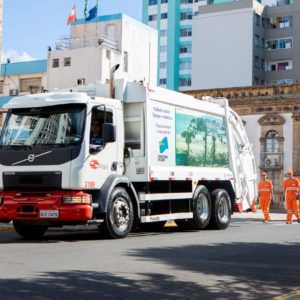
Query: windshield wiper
[{"x": 29, "y": 147}]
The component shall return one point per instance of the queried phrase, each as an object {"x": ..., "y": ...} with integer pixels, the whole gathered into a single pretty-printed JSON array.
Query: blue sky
[{"x": 30, "y": 26}]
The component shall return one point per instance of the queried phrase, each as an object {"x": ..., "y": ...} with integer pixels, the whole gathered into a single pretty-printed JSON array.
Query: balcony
[{"x": 271, "y": 161}]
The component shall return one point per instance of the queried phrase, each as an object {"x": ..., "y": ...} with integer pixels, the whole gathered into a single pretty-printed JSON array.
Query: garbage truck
[{"x": 140, "y": 156}]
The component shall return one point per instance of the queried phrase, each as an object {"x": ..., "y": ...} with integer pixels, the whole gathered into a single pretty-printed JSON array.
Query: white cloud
[{"x": 16, "y": 56}]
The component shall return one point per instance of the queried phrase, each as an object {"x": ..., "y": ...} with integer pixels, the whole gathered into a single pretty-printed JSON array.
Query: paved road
[{"x": 249, "y": 260}]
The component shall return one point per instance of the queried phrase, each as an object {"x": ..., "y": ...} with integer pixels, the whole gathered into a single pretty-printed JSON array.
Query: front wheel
[
  {"x": 221, "y": 210},
  {"x": 29, "y": 231},
  {"x": 119, "y": 217}
]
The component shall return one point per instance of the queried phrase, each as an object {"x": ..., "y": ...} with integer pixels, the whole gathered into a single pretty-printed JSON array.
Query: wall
[{"x": 222, "y": 49}]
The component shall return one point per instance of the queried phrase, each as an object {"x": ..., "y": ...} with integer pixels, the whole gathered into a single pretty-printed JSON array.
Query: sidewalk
[{"x": 275, "y": 214}]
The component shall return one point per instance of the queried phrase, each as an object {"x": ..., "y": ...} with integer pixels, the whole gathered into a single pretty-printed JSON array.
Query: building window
[
  {"x": 186, "y": 65},
  {"x": 271, "y": 142},
  {"x": 186, "y": 16},
  {"x": 26, "y": 83},
  {"x": 256, "y": 62},
  {"x": 257, "y": 19},
  {"x": 164, "y": 1},
  {"x": 186, "y": 1},
  {"x": 163, "y": 48},
  {"x": 55, "y": 63},
  {"x": 164, "y": 16},
  {"x": 67, "y": 61},
  {"x": 163, "y": 32},
  {"x": 81, "y": 81},
  {"x": 256, "y": 40},
  {"x": 187, "y": 32},
  {"x": 163, "y": 81},
  {"x": 280, "y": 22},
  {"x": 263, "y": 64},
  {"x": 284, "y": 43},
  {"x": 280, "y": 66},
  {"x": 184, "y": 82},
  {"x": 152, "y": 2},
  {"x": 163, "y": 65},
  {"x": 125, "y": 60},
  {"x": 185, "y": 49},
  {"x": 1, "y": 87},
  {"x": 152, "y": 18},
  {"x": 256, "y": 81}
]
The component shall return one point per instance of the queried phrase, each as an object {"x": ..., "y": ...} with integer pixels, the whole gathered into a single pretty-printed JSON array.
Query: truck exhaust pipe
[{"x": 112, "y": 92}]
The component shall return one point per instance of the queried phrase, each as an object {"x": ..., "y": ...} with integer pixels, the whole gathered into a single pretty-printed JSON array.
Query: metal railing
[
  {"x": 85, "y": 42},
  {"x": 271, "y": 160}
]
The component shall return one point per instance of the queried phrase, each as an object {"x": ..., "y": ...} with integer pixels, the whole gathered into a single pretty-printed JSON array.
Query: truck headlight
[{"x": 84, "y": 199}]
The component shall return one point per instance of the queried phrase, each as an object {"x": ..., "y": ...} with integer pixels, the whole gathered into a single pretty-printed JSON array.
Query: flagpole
[
  {"x": 85, "y": 17},
  {"x": 97, "y": 24}
]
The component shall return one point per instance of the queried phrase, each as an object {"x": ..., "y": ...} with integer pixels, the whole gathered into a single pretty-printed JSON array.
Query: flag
[
  {"x": 85, "y": 8},
  {"x": 93, "y": 13},
  {"x": 72, "y": 16}
]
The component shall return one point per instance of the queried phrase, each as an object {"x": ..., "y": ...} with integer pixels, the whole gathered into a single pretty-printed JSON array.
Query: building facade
[
  {"x": 94, "y": 47},
  {"x": 271, "y": 115},
  {"x": 19, "y": 78},
  {"x": 173, "y": 21},
  {"x": 246, "y": 43}
]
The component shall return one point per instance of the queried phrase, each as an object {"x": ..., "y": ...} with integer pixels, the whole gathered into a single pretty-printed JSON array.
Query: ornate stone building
[{"x": 272, "y": 120}]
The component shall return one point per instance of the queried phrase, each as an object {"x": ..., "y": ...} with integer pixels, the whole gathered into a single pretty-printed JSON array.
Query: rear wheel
[
  {"x": 201, "y": 210},
  {"x": 119, "y": 217},
  {"x": 221, "y": 210},
  {"x": 29, "y": 231}
]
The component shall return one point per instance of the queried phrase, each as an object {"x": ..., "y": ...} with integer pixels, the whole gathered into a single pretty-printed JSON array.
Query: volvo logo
[{"x": 31, "y": 158}]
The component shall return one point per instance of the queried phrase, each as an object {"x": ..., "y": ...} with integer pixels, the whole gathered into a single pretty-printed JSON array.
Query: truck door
[{"x": 103, "y": 156}]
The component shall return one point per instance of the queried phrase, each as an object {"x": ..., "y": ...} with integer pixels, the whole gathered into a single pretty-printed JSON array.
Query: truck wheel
[
  {"x": 119, "y": 217},
  {"x": 201, "y": 210},
  {"x": 29, "y": 231},
  {"x": 221, "y": 212}
]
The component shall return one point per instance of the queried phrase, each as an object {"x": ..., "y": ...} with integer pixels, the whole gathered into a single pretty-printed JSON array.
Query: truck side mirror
[{"x": 109, "y": 133}]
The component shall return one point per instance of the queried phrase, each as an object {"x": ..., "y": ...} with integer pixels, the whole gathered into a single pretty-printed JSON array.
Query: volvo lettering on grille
[{"x": 31, "y": 158}]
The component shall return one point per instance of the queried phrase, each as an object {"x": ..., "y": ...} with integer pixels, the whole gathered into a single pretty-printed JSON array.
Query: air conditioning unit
[
  {"x": 271, "y": 161},
  {"x": 13, "y": 92}
]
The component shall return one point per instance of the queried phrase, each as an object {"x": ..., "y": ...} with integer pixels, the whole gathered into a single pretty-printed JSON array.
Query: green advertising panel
[{"x": 201, "y": 141}]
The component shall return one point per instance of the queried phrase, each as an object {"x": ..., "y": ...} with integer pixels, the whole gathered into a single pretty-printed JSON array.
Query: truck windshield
[{"x": 61, "y": 125}]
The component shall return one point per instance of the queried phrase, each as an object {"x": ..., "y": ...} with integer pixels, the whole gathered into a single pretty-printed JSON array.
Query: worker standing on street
[
  {"x": 291, "y": 190},
  {"x": 265, "y": 193}
]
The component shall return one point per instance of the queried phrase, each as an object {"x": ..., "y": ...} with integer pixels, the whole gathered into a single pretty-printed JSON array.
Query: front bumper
[{"x": 43, "y": 206}]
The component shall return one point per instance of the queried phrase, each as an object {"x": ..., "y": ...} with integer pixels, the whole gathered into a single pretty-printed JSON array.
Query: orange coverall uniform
[
  {"x": 292, "y": 203},
  {"x": 265, "y": 193}
]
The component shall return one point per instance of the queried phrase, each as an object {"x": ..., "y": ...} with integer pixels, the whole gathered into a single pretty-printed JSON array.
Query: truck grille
[{"x": 32, "y": 180}]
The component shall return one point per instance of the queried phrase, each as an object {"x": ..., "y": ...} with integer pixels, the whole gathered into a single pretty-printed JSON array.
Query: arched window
[{"x": 271, "y": 142}]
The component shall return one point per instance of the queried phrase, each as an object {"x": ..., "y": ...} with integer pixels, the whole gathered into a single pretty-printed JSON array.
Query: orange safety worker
[
  {"x": 291, "y": 190},
  {"x": 265, "y": 193}
]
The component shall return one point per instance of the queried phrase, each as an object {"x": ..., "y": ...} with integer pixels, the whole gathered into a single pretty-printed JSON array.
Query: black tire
[
  {"x": 201, "y": 211},
  {"x": 29, "y": 231},
  {"x": 221, "y": 209},
  {"x": 118, "y": 220}
]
